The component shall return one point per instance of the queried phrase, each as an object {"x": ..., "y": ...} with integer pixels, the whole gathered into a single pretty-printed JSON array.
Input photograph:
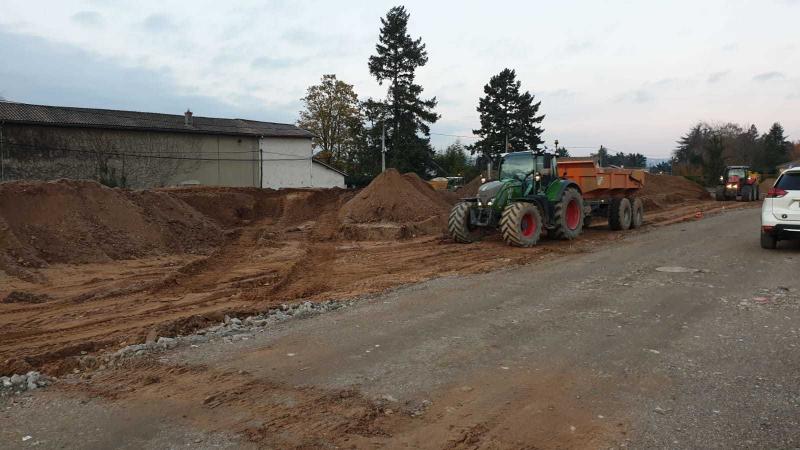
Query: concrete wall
[
  {"x": 133, "y": 158},
  {"x": 324, "y": 177},
  {"x": 286, "y": 162}
]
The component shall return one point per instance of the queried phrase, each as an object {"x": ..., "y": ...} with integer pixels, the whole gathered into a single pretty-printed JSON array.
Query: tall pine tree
[
  {"x": 508, "y": 117},
  {"x": 776, "y": 148},
  {"x": 407, "y": 116}
]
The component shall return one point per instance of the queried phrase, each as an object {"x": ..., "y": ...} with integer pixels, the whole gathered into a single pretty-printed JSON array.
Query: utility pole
[{"x": 383, "y": 146}]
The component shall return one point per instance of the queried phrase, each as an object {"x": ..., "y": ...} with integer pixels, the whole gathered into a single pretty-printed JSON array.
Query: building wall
[
  {"x": 131, "y": 158},
  {"x": 286, "y": 162},
  {"x": 324, "y": 177}
]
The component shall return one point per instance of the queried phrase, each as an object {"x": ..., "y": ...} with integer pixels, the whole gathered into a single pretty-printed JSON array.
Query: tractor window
[
  {"x": 516, "y": 166},
  {"x": 741, "y": 173},
  {"x": 789, "y": 181}
]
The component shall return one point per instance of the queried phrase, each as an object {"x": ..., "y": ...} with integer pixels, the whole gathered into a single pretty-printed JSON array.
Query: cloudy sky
[{"x": 632, "y": 75}]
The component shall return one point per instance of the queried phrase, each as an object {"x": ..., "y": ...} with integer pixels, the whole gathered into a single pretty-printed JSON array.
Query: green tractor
[
  {"x": 535, "y": 192},
  {"x": 527, "y": 198}
]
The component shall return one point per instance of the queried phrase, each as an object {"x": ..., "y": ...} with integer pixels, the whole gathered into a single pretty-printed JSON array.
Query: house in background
[{"x": 143, "y": 150}]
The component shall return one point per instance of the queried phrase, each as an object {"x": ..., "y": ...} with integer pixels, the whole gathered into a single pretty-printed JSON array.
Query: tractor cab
[{"x": 534, "y": 170}]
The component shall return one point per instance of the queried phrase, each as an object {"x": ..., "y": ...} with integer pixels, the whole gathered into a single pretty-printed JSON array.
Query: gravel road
[{"x": 685, "y": 336}]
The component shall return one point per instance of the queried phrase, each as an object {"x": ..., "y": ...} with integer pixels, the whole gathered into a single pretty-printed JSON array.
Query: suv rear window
[{"x": 789, "y": 181}]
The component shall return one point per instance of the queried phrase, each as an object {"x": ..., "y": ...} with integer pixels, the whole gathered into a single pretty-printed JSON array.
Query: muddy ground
[{"x": 87, "y": 268}]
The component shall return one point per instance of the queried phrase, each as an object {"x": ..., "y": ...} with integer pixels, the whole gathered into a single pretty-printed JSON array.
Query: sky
[{"x": 631, "y": 75}]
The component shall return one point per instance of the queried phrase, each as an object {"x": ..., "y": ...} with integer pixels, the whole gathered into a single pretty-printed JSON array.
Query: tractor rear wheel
[
  {"x": 568, "y": 215},
  {"x": 459, "y": 226},
  {"x": 521, "y": 224},
  {"x": 747, "y": 193},
  {"x": 637, "y": 215},
  {"x": 620, "y": 214}
]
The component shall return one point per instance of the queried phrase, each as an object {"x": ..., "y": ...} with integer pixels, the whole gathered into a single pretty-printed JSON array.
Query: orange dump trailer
[
  {"x": 601, "y": 182},
  {"x": 607, "y": 192}
]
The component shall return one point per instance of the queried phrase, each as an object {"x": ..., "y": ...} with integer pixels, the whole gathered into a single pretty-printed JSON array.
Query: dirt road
[{"x": 684, "y": 336}]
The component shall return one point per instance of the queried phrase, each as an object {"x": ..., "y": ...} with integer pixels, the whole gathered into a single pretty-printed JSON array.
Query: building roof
[
  {"x": 328, "y": 166},
  {"x": 132, "y": 120}
]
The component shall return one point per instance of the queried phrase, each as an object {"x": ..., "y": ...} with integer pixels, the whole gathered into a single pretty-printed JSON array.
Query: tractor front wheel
[
  {"x": 568, "y": 215},
  {"x": 521, "y": 224},
  {"x": 458, "y": 224}
]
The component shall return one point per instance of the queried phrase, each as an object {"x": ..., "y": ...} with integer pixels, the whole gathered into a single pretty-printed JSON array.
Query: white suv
[{"x": 780, "y": 213}]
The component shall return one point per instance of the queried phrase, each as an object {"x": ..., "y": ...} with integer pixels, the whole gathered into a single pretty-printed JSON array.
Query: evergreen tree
[
  {"x": 508, "y": 117},
  {"x": 690, "y": 147},
  {"x": 776, "y": 148},
  {"x": 602, "y": 156},
  {"x": 713, "y": 164},
  {"x": 562, "y": 152},
  {"x": 407, "y": 116}
]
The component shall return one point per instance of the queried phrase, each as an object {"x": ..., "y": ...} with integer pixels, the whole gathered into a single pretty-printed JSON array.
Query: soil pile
[
  {"x": 82, "y": 221},
  {"x": 440, "y": 198},
  {"x": 661, "y": 190},
  {"x": 470, "y": 189},
  {"x": 392, "y": 197}
]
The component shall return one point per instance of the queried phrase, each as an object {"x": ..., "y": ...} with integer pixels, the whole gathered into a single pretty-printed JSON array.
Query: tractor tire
[
  {"x": 719, "y": 195},
  {"x": 620, "y": 214},
  {"x": 747, "y": 193},
  {"x": 637, "y": 214},
  {"x": 521, "y": 224},
  {"x": 768, "y": 241},
  {"x": 568, "y": 215},
  {"x": 758, "y": 193},
  {"x": 459, "y": 227}
]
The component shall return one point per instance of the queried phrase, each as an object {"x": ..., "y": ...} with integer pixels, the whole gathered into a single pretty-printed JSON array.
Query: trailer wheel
[
  {"x": 521, "y": 224},
  {"x": 459, "y": 227},
  {"x": 637, "y": 217},
  {"x": 568, "y": 215},
  {"x": 619, "y": 216}
]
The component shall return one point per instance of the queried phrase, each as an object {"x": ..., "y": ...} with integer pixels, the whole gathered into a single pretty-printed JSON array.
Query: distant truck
[
  {"x": 738, "y": 183},
  {"x": 535, "y": 192}
]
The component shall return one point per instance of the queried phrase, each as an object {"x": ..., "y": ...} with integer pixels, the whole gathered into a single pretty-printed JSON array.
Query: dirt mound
[
  {"x": 83, "y": 221},
  {"x": 392, "y": 197},
  {"x": 661, "y": 190},
  {"x": 25, "y": 297},
  {"x": 470, "y": 189}
]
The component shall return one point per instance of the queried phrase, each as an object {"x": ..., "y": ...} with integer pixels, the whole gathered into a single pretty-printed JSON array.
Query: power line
[{"x": 157, "y": 156}]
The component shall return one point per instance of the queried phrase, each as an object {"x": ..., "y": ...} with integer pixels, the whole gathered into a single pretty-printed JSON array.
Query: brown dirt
[
  {"x": 392, "y": 197},
  {"x": 470, "y": 189},
  {"x": 661, "y": 191},
  {"x": 548, "y": 409},
  {"x": 82, "y": 222},
  {"x": 117, "y": 265}
]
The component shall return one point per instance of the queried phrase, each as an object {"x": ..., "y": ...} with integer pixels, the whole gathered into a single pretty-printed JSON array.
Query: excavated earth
[{"x": 85, "y": 268}]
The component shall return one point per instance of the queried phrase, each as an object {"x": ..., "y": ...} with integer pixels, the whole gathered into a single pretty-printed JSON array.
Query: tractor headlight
[
  {"x": 537, "y": 177},
  {"x": 483, "y": 180},
  {"x": 490, "y": 203},
  {"x": 721, "y": 178}
]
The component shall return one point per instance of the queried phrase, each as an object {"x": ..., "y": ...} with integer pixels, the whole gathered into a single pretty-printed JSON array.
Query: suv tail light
[{"x": 776, "y": 192}]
